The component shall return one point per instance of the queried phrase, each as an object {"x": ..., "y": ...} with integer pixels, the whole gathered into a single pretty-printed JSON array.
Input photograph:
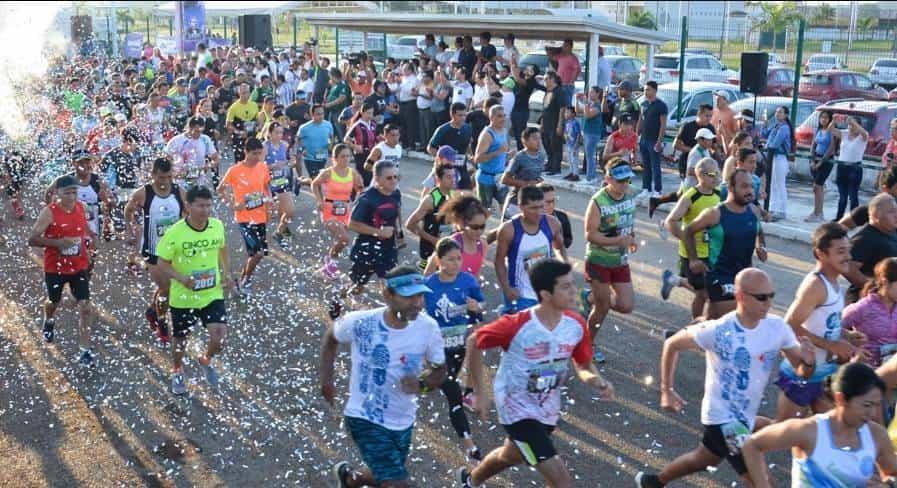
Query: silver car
[
  {"x": 884, "y": 72},
  {"x": 766, "y": 107}
]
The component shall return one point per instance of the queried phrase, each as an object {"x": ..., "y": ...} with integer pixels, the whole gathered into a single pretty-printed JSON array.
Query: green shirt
[
  {"x": 260, "y": 92},
  {"x": 617, "y": 218},
  {"x": 194, "y": 253},
  {"x": 336, "y": 90},
  {"x": 74, "y": 101}
]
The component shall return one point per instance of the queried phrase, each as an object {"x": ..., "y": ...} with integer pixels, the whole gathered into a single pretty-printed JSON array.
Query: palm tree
[
  {"x": 776, "y": 17},
  {"x": 643, "y": 19},
  {"x": 825, "y": 15},
  {"x": 866, "y": 24}
]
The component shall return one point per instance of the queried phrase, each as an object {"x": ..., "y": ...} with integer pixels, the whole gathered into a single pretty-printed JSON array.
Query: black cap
[
  {"x": 80, "y": 154},
  {"x": 65, "y": 181}
]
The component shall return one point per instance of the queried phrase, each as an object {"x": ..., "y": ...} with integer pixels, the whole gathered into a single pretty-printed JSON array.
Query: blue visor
[
  {"x": 621, "y": 172},
  {"x": 408, "y": 285}
]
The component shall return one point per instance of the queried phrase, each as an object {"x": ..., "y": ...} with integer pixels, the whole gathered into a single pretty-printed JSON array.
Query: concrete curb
[{"x": 783, "y": 229}]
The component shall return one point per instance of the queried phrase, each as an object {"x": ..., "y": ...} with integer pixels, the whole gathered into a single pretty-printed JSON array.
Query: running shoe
[
  {"x": 341, "y": 472},
  {"x": 211, "y": 374},
  {"x": 178, "y": 386},
  {"x": 245, "y": 287},
  {"x": 18, "y": 209},
  {"x": 335, "y": 309},
  {"x": 279, "y": 239},
  {"x": 470, "y": 401},
  {"x": 644, "y": 480},
  {"x": 49, "y": 333},
  {"x": 598, "y": 356},
  {"x": 667, "y": 282},
  {"x": 474, "y": 455},
  {"x": 86, "y": 359},
  {"x": 462, "y": 477}
]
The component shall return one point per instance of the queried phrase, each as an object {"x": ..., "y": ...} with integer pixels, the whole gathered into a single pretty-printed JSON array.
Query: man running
[
  {"x": 455, "y": 133},
  {"x": 161, "y": 204},
  {"x": 740, "y": 349},
  {"x": 388, "y": 149},
  {"x": 428, "y": 212},
  {"x": 93, "y": 192},
  {"x": 733, "y": 234},
  {"x": 123, "y": 163},
  {"x": 693, "y": 201},
  {"x": 815, "y": 313},
  {"x": 62, "y": 230},
  {"x": 240, "y": 120},
  {"x": 193, "y": 154},
  {"x": 537, "y": 345},
  {"x": 610, "y": 233},
  {"x": 523, "y": 240},
  {"x": 397, "y": 354},
  {"x": 249, "y": 182},
  {"x": 193, "y": 257}
]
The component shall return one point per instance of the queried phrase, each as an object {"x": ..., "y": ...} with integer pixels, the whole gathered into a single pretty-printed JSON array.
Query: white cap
[{"x": 705, "y": 134}]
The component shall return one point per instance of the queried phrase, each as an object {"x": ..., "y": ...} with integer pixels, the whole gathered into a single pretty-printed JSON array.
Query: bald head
[
  {"x": 752, "y": 280},
  {"x": 883, "y": 212},
  {"x": 881, "y": 203}
]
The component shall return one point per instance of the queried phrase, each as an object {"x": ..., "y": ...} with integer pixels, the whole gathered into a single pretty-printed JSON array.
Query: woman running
[
  {"x": 281, "y": 166},
  {"x": 333, "y": 189},
  {"x": 454, "y": 303},
  {"x": 468, "y": 215},
  {"x": 837, "y": 449}
]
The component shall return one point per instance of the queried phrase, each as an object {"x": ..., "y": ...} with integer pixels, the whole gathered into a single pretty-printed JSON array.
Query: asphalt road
[{"x": 266, "y": 425}]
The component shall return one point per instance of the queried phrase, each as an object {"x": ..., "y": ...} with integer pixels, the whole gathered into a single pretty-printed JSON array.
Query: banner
[
  {"x": 133, "y": 45},
  {"x": 194, "y": 25},
  {"x": 213, "y": 42},
  {"x": 168, "y": 46}
]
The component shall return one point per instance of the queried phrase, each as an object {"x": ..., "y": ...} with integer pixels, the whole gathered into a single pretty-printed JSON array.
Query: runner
[
  {"x": 839, "y": 448},
  {"x": 281, "y": 167},
  {"x": 391, "y": 347},
  {"x": 552, "y": 209},
  {"x": 733, "y": 233},
  {"x": 693, "y": 201},
  {"x": 240, "y": 120},
  {"x": 62, "y": 230},
  {"x": 123, "y": 163},
  {"x": 434, "y": 225},
  {"x": 524, "y": 170},
  {"x": 361, "y": 137},
  {"x": 375, "y": 218},
  {"x": 816, "y": 314},
  {"x": 740, "y": 350},
  {"x": 536, "y": 347},
  {"x": 610, "y": 234},
  {"x": 193, "y": 257},
  {"x": 161, "y": 204},
  {"x": 193, "y": 155},
  {"x": 315, "y": 136},
  {"x": 333, "y": 190},
  {"x": 389, "y": 149},
  {"x": 467, "y": 215},
  {"x": 522, "y": 241},
  {"x": 455, "y": 133},
  {"x": 456, "y": 305},
  {"x": 490, "y": 156},
  {"x": 249, "y": 182}
]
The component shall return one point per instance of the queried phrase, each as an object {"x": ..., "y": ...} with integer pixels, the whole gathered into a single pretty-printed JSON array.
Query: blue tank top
[
  {"x": 737, "y": 244},
  {"x": 823, "y": 138},
  {"x": 524, "y": 250},
  {"x": 489, "y": 169},
  {"x": 274, "y": 154}
]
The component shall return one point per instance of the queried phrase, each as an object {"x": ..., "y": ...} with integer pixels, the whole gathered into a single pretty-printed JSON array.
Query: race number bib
[
  {"x": 534, "y": 255},
  {"x": 735, "y": 434},
  {"x": 279, "y": 183},
  {"x": 454, "y": 336},
  {"x": 203, "y": 280},
  {"x": 254, "y": 200},
  {"x": 163, "y": 224},
  {"x": 73, "y": 250},
  {"x": 320, "y": 155},
  {"x": 544, "y": 378},
  {"x": 340, "y": 207}
]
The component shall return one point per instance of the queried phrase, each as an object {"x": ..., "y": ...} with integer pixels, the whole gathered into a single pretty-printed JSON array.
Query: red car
[
  {"x": 779, "y": 82},
  {"x": 874, "y": 116},
  {"x": 825, "y": 86},
  {"x": 893, "y": 95}
]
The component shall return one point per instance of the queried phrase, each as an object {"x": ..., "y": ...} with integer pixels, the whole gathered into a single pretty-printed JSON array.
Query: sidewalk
[{"x": 800, "y": 201}]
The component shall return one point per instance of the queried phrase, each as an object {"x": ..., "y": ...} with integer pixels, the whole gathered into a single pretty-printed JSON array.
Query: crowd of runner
[{"x": 133, "y": 150}]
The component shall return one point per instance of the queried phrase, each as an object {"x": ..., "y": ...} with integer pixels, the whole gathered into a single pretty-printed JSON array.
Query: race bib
[
  {"x": 73, "y": 250},
  {"x": 340, "y": 207},
  {"x": 320, "y": 155},
  {"x": 545, "y": 378},
  {"x": 203, "y": 280},
  {"x": 279, "y": 183},
  {"x": 249, "y": 126},
  {"x": 533, "y": 255},
  {"x": 163, "y": 224},
  {"x": 736, "y": 434},
  {"x": 254, "y": 200},
  {"x": 461, "y": 162},
  {"x": 454, "y": 336}
]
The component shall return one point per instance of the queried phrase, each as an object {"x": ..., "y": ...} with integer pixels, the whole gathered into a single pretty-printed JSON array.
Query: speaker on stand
[
  {"x": 255, "y": 31},
  {"x": 754, "y": 71}
]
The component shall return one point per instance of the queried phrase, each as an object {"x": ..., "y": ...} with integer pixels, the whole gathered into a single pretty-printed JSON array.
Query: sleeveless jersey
[
  {"x": 337, "y": 192},
  {"x": 280, "y": 178},
  {"x": 89, "y": 196},
  {"x": 470, "y": 263},
  {"x": 70, "y": 260},
  {"x": 825, "y": 322},
  {"x": 159, "y": 213},
  {"x": 387, "y": 153},
  {"x": 833, "y": 466},
  {"x": 699, "y": 203},
  {"x": 525, "y": 250},
  {"x": 617, "y": 218},
  {"x": 731, "y": 242},
  {"x": 433, "y": 224}
]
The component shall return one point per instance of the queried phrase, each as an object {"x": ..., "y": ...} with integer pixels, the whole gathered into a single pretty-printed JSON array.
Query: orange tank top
[{"x": 339, "y": 188}]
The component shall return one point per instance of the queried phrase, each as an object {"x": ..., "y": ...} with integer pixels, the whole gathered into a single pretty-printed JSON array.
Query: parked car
[
  {"x": 624, "y": 68},
  {"x": 884, "y": 72},
  {"x": 698, "y": 67},
  {"x": 698, "y": 50},
  {"x": 766, "y": 107},
  {"x": 874, "y": 116},
  {"x": 825, "y": 86},
  {"x": 613, "y": 51},
  {"x": 819, "y": 62},
  {"x": 406, "y": 47},
  {"x": 779, "y": 81},
  {"x": 694, "y": 94},
  {"x": 775, "y": 60},
  {"x": 892, "y": 95}
]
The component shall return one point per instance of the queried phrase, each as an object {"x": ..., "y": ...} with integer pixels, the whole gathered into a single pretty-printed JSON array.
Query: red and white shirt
[{"x": 534, "y": 364}]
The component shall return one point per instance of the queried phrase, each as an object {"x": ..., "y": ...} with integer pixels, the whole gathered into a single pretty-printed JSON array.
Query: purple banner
[{"x": 194, "y": 24}]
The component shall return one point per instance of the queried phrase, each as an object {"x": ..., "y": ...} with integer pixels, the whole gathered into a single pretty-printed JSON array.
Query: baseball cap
[
  {"x": 704, "y": 134},
  {"x": 80, "y": 154},
  {"x": 746, "y": 114},
  {"x": 625, "y": 85},
  {"x": 619, "y": 169},
  {"x": 446, "y": 153},
  {"x": 508, "y": 83},
  {"x": 65, "y": 181},
  {"x": 408, "y": 285}
]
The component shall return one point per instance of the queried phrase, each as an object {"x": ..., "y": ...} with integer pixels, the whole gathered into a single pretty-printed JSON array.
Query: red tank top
[
  {"x": 66, "y": 224},
  {"x": 470, "y": 263}
]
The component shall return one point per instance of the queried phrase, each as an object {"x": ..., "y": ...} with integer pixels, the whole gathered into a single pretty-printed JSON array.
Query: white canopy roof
[{"x": 234, "y": 9}]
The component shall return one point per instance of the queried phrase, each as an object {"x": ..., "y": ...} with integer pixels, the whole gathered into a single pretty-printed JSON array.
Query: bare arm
[
  {"x": 483, "y": 144},
  {"x": 706, "y": 219},
  {"x": 781, "y": 436},
  {"x": 135, "y": 202},
  {"x": 168, "y": 273},
  {"x": 681, "y": 341},
  {"x": 37, "y": 239},
  {"x": 588, "y": 374},
  {"x": 505, "y": 234},
  {"x": 593, "y": 235},
  {"x": 810, "y": 295},
  {"x": 673, "y": 221},
  {"x": 855, "y": 276},
  {"x": 413, "y": 224},
  {"x": 558, "y": 234},
  {"x": 329, "y": 348}
]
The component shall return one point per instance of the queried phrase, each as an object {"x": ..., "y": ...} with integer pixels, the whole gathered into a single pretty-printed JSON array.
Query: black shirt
[
  {"x": 652, "y": 114},
  {"x": 869, "y": 246},
  {"x": 478, "y": 121},
  {"x": 523, "y": 92},
  {"x": 551, "y": 114},
  {"x": 566, "y": 230},
  {"x": 125, "y": 165},
  {"x": 376, "y": 210},
  {"x": 488, "y": 52},
  {"x": 467, "y": 59},
  {"x": 297, "y": 112},
  {"x": 687, "y": 133},
  {"x": 448, "y": 135},
  {"x": 378, "y": 102}
]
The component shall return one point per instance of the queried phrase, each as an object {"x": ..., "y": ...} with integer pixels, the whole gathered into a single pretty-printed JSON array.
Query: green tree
[
  {"x": 642, "y": 18},
  {"x": 825, "y": 15},
  {"x": 776, "y": 17},
  {"x": 866, "y": 24}
]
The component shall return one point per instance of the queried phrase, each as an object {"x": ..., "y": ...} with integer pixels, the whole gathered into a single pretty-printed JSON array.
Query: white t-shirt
[
  {"x": 308, "y": 86},
  {"x": 507, "y": 101},
  {"x": 189, "y": 157},
  {"x": 408, "y": 84},
  {"x": 461, "y": 92},
  {"x": 739, "y": 362},
  {"x": 381, "y": 356},
  {"x": 480, "y": 94}
]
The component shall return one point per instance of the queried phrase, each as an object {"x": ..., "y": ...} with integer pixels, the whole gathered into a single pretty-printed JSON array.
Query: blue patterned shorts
[{"x": 383, "y": 450}]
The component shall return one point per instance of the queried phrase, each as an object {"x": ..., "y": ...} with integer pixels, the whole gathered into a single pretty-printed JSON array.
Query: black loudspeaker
[
  {"x": 255, "y": 31},
  {"x": 754, "y": 67},
  {"x": 82, "y": 27}
]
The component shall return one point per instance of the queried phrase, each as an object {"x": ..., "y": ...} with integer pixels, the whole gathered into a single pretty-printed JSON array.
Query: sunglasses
[
  {"x": 762, "y": 297},
  {"x": 710, "y": 174},
  {"x": 477, "y": 227}
]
